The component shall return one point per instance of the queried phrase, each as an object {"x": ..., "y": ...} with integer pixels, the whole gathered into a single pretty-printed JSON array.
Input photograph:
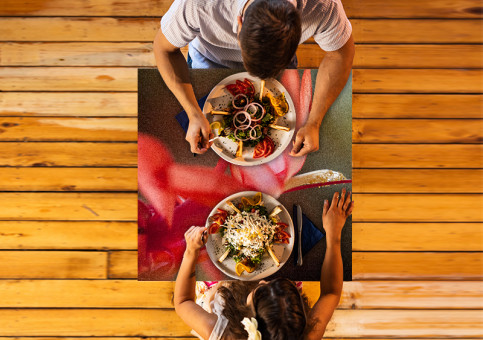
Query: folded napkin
[
  {"x": 182, "y": 117},
  {"x": 311, "y": 235}
]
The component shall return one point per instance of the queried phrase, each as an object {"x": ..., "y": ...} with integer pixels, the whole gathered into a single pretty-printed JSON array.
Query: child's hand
[
  {"x": 333, "y": 217},
  {"x": 195, "y": 239}
]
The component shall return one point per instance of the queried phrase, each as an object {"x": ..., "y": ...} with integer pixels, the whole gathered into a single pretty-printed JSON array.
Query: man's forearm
[
  {"x": 186, "y": 281},
  {"x": 332, "y": 274},
  {"x": 173, "y": 68},
  {"x": 334, "y": 70}
]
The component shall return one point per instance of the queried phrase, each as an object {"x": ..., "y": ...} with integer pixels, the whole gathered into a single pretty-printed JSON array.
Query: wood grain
[
  {"x": 310, "y": 55},
  {"x": 68, "y": 129},
  {"x": 417, "y": 156},
  {"x": 123, "y": 265},
  {"x": 68, "y": 104},
  {"x": 417, "y": 106},
  {"x": 418, "y": 208},
  {"x": 68, "y": 79},
  {"x": 146, "y": 294},
  {"x": 40, "y": 154},
  {"x": 68, "y": 179},
  {"x": 411, "y": 266},
  {"x": 393, "y": 56},
  {"x": 67, "y": 235},
  {"x": 417, "y": 237},
  {"x": 117, "y": 29},
  {"x": 424, "y": 131},
  {"x": 146, "y": 322},
  {"x": 69, "y": 206},
  {"x": 417, "y": 181},
  {"x": 52, "y": 265},
  {"x": 353, "y": 8},
  {"x": 416, "y": 81}
]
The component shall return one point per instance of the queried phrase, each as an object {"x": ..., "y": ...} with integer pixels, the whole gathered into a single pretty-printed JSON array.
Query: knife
[{"x": 299, "y": 225}]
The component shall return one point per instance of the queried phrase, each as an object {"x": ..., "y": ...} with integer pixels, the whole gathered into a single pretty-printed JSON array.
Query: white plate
[
  {"x": 219, "y": 98},
  {"x": 266, "y": 267}
]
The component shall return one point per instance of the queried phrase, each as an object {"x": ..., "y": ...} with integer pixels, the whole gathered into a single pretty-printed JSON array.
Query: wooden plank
[
  {"x": 77, "y": 54},
  {"x": 123, "y": 265},
  {"x": 68, "y": 179},
  {"x": 430, "y": 237},
  {"x": 52, "y": 265},
  {"x": 413, "y": 266},
  {"x": 118, "y": 29},
  {"x": 79, "y": 29},
  {"x": 417, "y": 31},
  {"x": 68, "y": 79},
  {"x": 417, "y": 181},
  {"x": 68, "y": 206},
  {"x": 416, "y": 81},
  {"x": 68, "y": 129},
  {"x": 39, "y": 154},
  {"x": 413, "y": 9},
  {"x": 309, "y": 55},
  {"x": 146, "y": 322},
  {"x": 367, "y": 56},
  {"x": 146, "y": 294},
  {"x": 416, "y": 156},
  {"x": 424, "y": 131},
  {"x": 418, "y": 208},
  {"x": 417, "y": 106},
  {"x": 67, "y": 235},
  {"x": 68, "y": 104},
  {"x": 353, "y": 8},
  {"x": 125, "y": 79}
]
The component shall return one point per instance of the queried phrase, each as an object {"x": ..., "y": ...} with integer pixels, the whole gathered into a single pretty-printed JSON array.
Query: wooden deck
[{"x": 68, "y": 107}]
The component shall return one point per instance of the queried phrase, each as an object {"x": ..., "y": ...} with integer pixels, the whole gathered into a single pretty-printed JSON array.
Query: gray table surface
[{"x": 335, "y": 153}]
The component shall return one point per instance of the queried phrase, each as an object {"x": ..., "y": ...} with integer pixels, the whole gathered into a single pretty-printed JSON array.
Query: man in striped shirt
[{"x": 260, "y": 36}]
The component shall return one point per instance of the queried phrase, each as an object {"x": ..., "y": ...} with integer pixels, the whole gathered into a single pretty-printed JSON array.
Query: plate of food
[
  {"x": 250, "y": 235},
  {"x": 253, "y": 120}
]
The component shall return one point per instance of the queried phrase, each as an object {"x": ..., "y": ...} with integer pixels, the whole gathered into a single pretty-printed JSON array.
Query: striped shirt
[{"x": 210, "y": 28}]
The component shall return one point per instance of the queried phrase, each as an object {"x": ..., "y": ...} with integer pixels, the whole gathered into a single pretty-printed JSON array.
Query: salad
[
  {"x": 249, "y": 117},
  {"x": 248, "y": 232}
]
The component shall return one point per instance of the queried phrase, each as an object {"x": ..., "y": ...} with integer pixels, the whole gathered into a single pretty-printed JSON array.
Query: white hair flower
[{"x": 251, "y": 326}]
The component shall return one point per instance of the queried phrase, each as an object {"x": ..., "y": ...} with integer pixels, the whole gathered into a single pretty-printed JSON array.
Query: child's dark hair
[{"x": 280, "y": 310}]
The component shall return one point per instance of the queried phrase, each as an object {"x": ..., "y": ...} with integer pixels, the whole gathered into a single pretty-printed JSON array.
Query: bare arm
[
  {"x": 173, "y": 68},
  {"x": 184, "y": 291},
  {"x": 331, "y": 277},
  {"x": 334, "y": 70}
]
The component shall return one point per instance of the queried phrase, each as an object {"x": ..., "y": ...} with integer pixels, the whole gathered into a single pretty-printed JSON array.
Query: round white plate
[
  {"x": 266, "y": 267},
  {"x": 219, "y": 98}
]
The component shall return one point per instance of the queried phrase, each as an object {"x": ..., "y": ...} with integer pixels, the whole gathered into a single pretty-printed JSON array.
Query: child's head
[{"x": 280, "y": 309}]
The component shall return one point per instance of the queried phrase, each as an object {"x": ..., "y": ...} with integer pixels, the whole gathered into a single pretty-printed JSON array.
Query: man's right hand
[{"x": 199, "y": 133}]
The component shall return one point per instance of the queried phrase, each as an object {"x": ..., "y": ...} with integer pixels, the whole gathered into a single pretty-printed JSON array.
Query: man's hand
[
  {"x": 333, "y": 217},
  {"x": 199, "y": 133},
  {"x": 307, "y": 140},
  {"x": 195, "y": 239}
]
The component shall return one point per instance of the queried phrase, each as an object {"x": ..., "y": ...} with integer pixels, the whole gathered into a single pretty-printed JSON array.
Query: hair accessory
[{"x": 251, "y": 326}]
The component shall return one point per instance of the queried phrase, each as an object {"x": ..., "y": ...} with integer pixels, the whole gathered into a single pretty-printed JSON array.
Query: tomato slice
[
  {"x": 260, "y": 149},
  {"x": 270, "y": 146},
  {"x": 222, "y": 212},
  {"x": 283, "y": 234},
  {"x": 232, "y": 88},
  {"x": 213, "y": 229},
  {"x": 251, "y": 88}
]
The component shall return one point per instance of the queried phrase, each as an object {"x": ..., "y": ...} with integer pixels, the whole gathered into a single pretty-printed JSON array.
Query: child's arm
[
  {"x": 184, "y": 291},
  {"x": 331, "y": 277}
]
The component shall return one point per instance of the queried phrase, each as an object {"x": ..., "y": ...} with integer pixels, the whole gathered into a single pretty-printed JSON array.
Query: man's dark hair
[{"x": 269, "y": 37}]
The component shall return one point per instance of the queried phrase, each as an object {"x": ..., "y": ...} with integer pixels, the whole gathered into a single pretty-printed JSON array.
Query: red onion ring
[
  {"x": 237, "y": 96},
  {"x": 238, "y": 138},
  {"x": 254, "y": 128},
  {"x": 252, "y": 114},
  {"x": 246, "y": 122}
]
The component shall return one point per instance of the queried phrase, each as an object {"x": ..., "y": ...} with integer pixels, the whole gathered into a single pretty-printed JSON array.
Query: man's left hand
[{"x": 306, "y": 141}]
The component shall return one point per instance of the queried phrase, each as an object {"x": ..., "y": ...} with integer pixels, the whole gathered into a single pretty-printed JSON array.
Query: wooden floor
[{"x": 68, "y": 107}]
